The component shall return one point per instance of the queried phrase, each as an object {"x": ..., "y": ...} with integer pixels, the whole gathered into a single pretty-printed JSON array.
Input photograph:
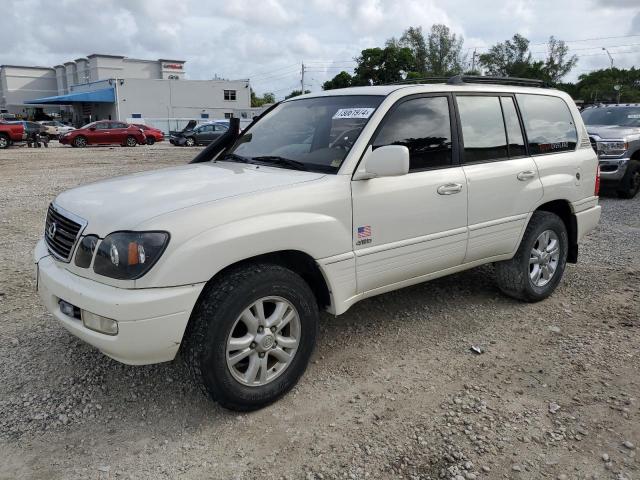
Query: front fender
[{"x": 198, "y": 259}]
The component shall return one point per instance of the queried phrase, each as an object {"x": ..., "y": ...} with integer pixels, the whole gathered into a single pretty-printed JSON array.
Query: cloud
[{"x": 267, "y": 39}]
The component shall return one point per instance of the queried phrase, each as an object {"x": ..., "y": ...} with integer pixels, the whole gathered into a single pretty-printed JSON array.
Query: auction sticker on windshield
[{"x": 353, "y": 113}]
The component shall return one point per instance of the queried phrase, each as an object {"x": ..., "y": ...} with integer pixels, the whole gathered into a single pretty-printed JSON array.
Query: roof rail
[
  {"x": 522, "y": 82},
  {"x": 420, "y": 80}
]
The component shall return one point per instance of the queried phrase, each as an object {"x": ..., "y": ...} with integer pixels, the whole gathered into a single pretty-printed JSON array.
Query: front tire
[
  {"x": 151, "y": 140},
  {"x": 80, "y": 141},
  {"x": 190, "y": 142},
  {"x": 4, "y": 141},
  {"x": 537, "y": 267},
  {"x": 251, "y": 335},
  {"x": 630, "y": 184}
]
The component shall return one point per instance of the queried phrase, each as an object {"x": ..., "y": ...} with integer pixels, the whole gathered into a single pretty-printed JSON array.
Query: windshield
[
  {"x": 623, "y": 116},
  {"x": 314, "y": 133}
]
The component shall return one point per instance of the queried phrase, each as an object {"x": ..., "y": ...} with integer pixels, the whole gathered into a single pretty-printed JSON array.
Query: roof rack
[
  {"x": 522, "y": 82},
  {"x": 420, "y": 80}
]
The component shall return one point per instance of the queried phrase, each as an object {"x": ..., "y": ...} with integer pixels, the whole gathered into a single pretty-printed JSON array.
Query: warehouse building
[{"x": 114, "y": 87}]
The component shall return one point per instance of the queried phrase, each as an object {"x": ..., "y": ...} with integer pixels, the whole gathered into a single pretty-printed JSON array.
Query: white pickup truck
[{"x": 327, "y": 199}]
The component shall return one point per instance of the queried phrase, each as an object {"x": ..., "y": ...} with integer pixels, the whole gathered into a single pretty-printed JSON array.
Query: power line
[{"x": 570, "y": 41}]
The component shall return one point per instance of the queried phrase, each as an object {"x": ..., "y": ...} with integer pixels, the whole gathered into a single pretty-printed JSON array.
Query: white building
[{"x": 119, "y": 88}]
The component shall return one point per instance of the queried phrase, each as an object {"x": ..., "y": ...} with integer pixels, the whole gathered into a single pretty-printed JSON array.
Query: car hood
[
  {"x": 612, "y": 131},
  {"x": 125, "y": 202}
]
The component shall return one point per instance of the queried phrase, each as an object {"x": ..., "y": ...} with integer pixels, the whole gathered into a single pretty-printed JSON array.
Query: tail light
[{"x": 597, "y": 186}]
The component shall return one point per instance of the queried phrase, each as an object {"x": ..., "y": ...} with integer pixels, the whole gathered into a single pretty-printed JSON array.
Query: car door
[
  {"x": 218, "y": 131},
  {"x": 118, "y": 132},
  {"x": 409, "y": 226},
  {"x": 204, "y": 134},
  {"x": 503, "y": 184},
  {"x": 100, "y": 134}
]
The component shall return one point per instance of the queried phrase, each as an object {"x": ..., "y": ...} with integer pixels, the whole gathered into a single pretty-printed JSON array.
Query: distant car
[
  {"x": 11, "y": 132},
  {"x": 202, "y": 134},
  {"x": 55, "y": 128},
  {"x": 105, "y": 132},
  {"x": 153, "y": 134}
]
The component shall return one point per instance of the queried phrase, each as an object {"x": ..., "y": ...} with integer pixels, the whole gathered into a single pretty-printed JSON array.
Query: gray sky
[{"x": 266, "y": 40}]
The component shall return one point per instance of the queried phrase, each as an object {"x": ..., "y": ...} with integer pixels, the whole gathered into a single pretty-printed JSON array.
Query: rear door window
[
  {"x": 483, "y": 132},
  {"x": 423, "y": 126},
  {"x": 548, "y": 122}
]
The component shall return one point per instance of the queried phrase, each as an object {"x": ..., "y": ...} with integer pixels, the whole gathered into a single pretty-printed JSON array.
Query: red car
[
  {"x": 11, "y": 132},
  {"x": 153, "y": 134},
  {"x": 105, "y": 132}
]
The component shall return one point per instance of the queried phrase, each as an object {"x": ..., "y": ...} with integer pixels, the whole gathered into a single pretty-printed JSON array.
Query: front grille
[{"x": 61, "y": 232}]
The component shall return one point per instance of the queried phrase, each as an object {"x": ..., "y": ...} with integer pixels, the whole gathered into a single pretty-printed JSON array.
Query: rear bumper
[
  {"x": 151, "y": 322},
  {"x": 587, "y": 220}
]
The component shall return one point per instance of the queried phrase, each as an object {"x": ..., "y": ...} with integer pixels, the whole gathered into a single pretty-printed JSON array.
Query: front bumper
[
  {"x": 613, "y": 169},
  {"x": 151, "y": 322}
]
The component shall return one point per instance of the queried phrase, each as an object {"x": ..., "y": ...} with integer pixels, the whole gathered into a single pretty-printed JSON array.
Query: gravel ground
[{"x": 393, "y": 390}]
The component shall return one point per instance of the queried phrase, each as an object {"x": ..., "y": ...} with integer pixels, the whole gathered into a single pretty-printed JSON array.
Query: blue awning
[{"x": 106, "y": 95}]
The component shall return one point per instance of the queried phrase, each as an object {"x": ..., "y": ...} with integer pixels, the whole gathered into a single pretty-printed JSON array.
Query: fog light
[
  {"x": 99, "y": 324},
  {"x": 69, "y": 310}
]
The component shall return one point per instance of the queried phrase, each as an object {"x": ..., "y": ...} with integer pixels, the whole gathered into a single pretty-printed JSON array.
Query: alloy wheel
[
  {"x": 544, "y": 258},
  {"x": 263, "y": 341}
]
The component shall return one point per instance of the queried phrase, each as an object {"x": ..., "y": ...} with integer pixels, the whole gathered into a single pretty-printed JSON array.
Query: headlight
[
  {"x": 612, "y": 147},
  {"x": 85, "y": 251},
  {"x": 129, "y": 255}
]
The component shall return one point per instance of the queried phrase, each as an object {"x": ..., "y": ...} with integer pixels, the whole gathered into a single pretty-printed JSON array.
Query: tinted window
[
  {"x": 482, "y": 129},
  {"x": 423, "y": 126},
  {"x": 102, "y": 126},
  {"x": 627, "y": 116},
  {"x": 514, "y": 132},
  {"x": 548, "y": 123},
  {"x": 119, "y": 125}
]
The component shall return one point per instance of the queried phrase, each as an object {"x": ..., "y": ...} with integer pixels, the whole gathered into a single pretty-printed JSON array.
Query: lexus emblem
[{"x": 51, "y": 231}]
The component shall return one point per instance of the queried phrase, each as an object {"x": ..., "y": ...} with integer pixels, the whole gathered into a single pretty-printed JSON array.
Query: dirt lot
[{"x": 393, "y": 391}]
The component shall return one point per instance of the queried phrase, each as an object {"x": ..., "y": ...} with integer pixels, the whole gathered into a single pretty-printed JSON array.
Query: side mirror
[{"x": 387, "y": 161}]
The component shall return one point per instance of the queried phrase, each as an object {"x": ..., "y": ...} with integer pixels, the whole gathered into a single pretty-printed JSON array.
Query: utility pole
[
  {"x": 610, "y": 57},
  {"x": 302, "y": 80},
  {"x": 473, "y": 61}
]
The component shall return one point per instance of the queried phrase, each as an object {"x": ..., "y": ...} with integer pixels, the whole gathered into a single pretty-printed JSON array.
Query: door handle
[
  {"x": 526, "y": 175},
  {"x": 450, "y": 188}
]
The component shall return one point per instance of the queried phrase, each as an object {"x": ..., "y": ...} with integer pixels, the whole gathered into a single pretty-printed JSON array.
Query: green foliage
[
  {"x": 414, "y": 39},
  {"x": 382, "y": 65},
  {"x": 341, "y": 80},
  {"x": 296, "y": 93},
  {"x": 557, "y": 64},
  {"x": 260, "y": 101},
  {"x": 444, "y": 52},
  {"x": 598, "y": 86}
]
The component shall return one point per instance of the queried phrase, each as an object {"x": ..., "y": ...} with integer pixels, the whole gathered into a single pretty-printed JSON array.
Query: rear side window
[
  {"x": 548, "y": 123},
  {"x": 482, "y": 128},
  {"x": 512, "y": 124},
  {"x": 423, "y": 126}
]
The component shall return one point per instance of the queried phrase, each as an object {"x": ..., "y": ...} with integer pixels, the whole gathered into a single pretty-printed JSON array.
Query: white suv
[{"x": 327, "y": 199}]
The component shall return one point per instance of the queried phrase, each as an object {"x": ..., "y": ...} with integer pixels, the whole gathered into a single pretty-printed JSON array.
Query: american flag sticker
[{"x": 364, "y": 232}]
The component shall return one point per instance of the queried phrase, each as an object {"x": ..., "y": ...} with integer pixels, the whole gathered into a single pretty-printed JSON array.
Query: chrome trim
[{"x": 73, "y": 217}]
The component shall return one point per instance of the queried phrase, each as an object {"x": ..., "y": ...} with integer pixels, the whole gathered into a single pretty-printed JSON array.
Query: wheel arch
[{"x": 562, "y": 208}]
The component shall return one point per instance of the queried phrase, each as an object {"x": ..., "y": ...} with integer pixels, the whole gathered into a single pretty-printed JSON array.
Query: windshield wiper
[
  {"x": 234, "y": 157},
  {"x": 285, "y": 162}
]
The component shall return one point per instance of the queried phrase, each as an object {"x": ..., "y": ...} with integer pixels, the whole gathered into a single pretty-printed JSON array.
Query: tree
[
  {"x": 413, "y": 39},
  {"x": 341, "y": 80},
  {"x": 296, "y": 93},
  {"x": 557, "y": 64},
  {"x": 598, "y": 86},
  {"x": 383, "y": 65},
  {"x": 444, "y": 52},
  {"x": 260, "y": 101},
  {"x": 511, "y": 59}
]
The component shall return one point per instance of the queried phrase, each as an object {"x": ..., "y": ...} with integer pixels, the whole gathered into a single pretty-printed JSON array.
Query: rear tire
[
  {"x": 630, "y": 184},
  {"x": 80, "y": 142},
  {"x": 523, "y": 276},
  {"x": 151, "y": 140},
  {"x": 4, "y": 141},
  {"x": 214, "y": 325}
]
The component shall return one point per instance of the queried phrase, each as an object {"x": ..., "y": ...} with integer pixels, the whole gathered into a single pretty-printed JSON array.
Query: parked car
[
  {"x": 202, "y": 134},
  {"x": 327, "y": 199},
  {"x": 614, "y": 131},
  {"x": 153, "y": 134},
  {"x": 35, "y": 134},
  {"x": 104, "y": 132},
  {"x": 11, "y": 133},
  {"x": 56, "y": 128}
]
